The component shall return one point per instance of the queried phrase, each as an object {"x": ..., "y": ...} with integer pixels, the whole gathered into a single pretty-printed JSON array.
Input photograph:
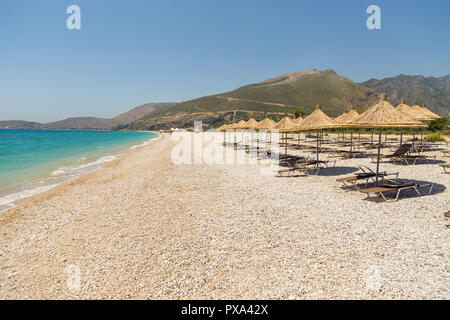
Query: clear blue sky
[{"x": 138, "y": 51}]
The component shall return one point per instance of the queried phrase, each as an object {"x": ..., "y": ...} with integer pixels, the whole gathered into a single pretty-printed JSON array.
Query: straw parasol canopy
[
  {"x": 223, "y": 127},
  {"x": 406, "y": 110},
  {"x": 353, "y": 115},
  {"x": 240, "y": 125},
  {"x": 342, "y": 118},
  {"x": 298, "y": 120},
  {"x": 384, "y": 115},
  {"x": 267, "y": 124},
  {"x": 430, "y": 113},
  {"x": 252, "y": 124},
  {"x": 420, "y": 114},
  {"x": 347, "y": 116},
  {"x": 317, "y": 120},
  {"x": 284, "y": 125}
]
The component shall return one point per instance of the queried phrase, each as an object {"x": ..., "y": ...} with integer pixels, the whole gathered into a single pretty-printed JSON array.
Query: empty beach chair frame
[
  {"x": 395, "y": 186},
  {"x": 353, "y": 182},
  {"x": 412, "y": 160},
  {"x": 401, "y": 151},
  {"x": 305, "y": 167},
  {"x": 445, "y": 167}
]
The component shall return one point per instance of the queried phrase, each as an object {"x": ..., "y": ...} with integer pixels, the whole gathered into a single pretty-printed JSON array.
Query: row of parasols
[{"x": 381, "y": 115}]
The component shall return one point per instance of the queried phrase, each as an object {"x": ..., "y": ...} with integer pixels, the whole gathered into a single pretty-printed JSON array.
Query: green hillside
[{"x": 279, "y": 95}]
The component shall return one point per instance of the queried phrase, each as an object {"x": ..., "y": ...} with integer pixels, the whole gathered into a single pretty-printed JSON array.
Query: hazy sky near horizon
[{"x": 132, "y": 52}]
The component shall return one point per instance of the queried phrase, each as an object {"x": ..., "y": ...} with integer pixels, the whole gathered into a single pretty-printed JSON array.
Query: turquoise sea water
[{"x": 29, "y": 157}]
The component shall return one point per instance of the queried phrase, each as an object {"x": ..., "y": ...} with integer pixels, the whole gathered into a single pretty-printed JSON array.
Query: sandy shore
[{"x": 143, "y": 227}]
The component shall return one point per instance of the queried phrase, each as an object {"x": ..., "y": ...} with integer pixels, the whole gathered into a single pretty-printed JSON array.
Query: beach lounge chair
[
  {"x": 412, "y": 159},
  {"x": 446, "y": 167},
  {"x": 394, "y": 186},
  {"x": 347, "y": 154},
  {"x": 401, "y": 151},
  {"x": 307, "y": 168},
  {"x": 366, "y": 174},
  {"x": 446, "y": 153}
]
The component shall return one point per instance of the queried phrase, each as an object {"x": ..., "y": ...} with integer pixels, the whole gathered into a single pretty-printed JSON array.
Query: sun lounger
[
  {"x": 412, "y": 159},
  {"x": 347, "y": 154},
  {"x": 401, "y": 151},
  {"x": 446, "y": 153},
  {"x": 446, "y": 167},
  {"x": 394, "y": 186},
  {"x": 366, "y": 174},
  {"x": 307, "y": 167}
]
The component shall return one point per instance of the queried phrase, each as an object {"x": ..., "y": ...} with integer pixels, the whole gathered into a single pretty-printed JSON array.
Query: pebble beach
[{"x": 143, "y": 227}]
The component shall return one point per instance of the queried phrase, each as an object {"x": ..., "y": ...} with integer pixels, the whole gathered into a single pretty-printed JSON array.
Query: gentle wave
[{"x": 62, "y": 175}]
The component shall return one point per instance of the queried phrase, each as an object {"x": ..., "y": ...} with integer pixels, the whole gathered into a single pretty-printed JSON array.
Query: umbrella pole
[
  {"x": 298, "y": 141},
  {"x": 378, "y": 157},
  {"x": 414, "y": 137},
  {"x": 372, "y": 136},
  {"x": 317, "y": 149},
  {"x": 401, "y": 136},
  {"x": 351, "y": 141},
  {"x": 421, "y": 136},
  {"x": 285, "y": 144}
]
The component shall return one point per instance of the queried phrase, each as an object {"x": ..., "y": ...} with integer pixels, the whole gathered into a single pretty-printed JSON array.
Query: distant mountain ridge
[
  {"x": 86, "y": 123},
  {"x": 282, "y": 94},
  {"x": 434, "y": 92},
  {"x": 275, "y": 96}
]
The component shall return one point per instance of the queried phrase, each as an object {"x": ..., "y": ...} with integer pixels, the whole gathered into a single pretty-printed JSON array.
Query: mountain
[
  {"x": 19, "y": 124},
  {"x": 283, "y": 94},
  {"x": 87, "y": 123},
  {"x": 138, "y": 112},
  {"x": 434, "y": 92}
]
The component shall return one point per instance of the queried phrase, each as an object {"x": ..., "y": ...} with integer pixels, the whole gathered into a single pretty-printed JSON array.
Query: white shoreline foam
[{"x": 65, "y": 174}]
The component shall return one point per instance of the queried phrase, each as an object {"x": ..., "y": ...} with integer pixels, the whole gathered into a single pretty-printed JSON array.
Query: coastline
[
  {"x": 144, "y": 228},
  {"x": 65, "y": 174}
]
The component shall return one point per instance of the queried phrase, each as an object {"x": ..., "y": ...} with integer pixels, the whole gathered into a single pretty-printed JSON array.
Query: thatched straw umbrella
[
  {"x": 266, "y": 124},
  {"x": 383, "y": 115},
  {"x": 316, "y": 121},
  {"x": 251, "y": 124},
  {"x": 241, "y": 125},
  {"x": 297, "y": 122},
  {"x": 419, "y": 113},
  {"x": 408, "y": 112},
  {"x": 223, "y": 128},
  {"x": 285, "y": 125},
  {"x": 342, "y": 118},
  {"x": 422, "y": 114},
  {"x": 347, "y": 117},
  {"x": 234, "y": 127},
  {"x": 430, "y": 113}
]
